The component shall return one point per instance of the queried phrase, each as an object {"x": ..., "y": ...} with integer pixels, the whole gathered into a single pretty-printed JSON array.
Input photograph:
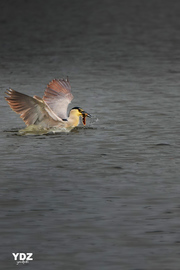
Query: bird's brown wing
[
  {"x": 58, "y": 96},
  {"x": 33, "y": 110}
]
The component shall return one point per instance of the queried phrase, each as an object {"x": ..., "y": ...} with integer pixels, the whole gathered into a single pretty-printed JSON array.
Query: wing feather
[
  {"x": 33, "y": 110},
  {"x": 58, "y": 96}
]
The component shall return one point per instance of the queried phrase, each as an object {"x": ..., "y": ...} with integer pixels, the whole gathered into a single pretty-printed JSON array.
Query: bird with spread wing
[{"x": 49, "y": 111}]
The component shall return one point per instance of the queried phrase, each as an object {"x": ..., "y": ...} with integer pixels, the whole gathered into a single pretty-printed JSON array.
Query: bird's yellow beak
[{"x": 84, "y": 115}]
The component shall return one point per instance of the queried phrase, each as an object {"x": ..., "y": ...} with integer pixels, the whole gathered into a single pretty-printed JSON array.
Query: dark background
[{"x": 105, "y": 196}]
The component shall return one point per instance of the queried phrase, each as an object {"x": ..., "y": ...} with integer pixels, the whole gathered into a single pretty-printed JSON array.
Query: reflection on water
[{"x": 105, "y": 196}]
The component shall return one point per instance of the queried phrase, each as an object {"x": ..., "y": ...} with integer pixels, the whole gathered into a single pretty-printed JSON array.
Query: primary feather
[
  {"x": 32, "y": 110},
  {"x": 58, "y": 96}
]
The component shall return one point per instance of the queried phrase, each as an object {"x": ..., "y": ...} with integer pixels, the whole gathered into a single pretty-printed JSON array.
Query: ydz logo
[{"x": 22, "y": 257}]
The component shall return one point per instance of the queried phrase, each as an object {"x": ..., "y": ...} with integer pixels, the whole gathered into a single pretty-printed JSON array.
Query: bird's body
[{"x": 49, "y": 111}]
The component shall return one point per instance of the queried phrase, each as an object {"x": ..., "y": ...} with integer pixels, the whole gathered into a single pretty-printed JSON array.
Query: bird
[{"x": 49, "y": 111}]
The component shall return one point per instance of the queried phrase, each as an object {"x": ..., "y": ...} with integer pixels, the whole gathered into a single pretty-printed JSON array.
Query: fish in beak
[{"x": 84, "y": 115}]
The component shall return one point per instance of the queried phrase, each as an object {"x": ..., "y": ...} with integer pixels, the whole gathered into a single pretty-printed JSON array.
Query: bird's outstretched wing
[
  {"x": 58, "y": 96},
  {"x": 33, "y": 110}
]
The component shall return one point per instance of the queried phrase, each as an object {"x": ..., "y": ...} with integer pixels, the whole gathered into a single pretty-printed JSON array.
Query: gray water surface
[{"x": 104, "y": 197}]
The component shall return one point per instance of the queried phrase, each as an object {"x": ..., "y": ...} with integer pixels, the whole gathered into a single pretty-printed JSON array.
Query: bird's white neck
[{"x": 73, "y": 119}]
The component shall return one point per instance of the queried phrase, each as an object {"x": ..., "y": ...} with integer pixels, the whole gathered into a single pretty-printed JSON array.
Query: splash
[{"x": 93, "y": 120}]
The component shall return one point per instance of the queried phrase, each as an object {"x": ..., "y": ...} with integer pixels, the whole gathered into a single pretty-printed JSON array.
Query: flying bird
[{"x": 49, "y": 111}]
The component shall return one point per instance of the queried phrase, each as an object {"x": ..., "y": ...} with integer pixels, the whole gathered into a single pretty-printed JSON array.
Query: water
[{"x": 105, "y": 196}]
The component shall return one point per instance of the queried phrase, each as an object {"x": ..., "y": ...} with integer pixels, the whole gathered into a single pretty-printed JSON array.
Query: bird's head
[{"x": 77, "y": 111}]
